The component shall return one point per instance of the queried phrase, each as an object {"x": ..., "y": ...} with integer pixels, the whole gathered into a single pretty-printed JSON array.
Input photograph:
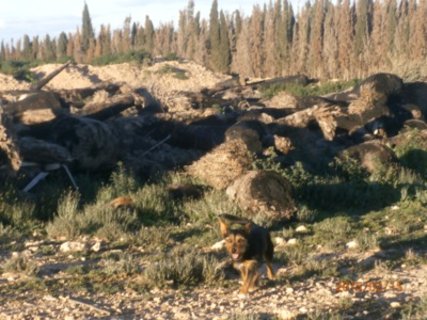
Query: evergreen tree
[
  {"x": 61, "y": 48},
  {"x": 363, "y": 29},
  {"x": 345, "y": 39},
  {"x": 214, "y": 36},
  {"x": 2, "y": 52},
  {"x": 317, "y": 22},
  {"x": 70, "y": 45},
  {"x": 35, "y": 47},
  {"x": 127, "y": 42},
  {"x": 256, "y": 39},
  {"x": 148, "y": 35},
  {"x": 133, "y": 33},
  {"x": 26, "y": 47},
  {"x": 224, "y": 58},
  {"x": 391, "y": 24},
  {"x": 87, "y": 33}
]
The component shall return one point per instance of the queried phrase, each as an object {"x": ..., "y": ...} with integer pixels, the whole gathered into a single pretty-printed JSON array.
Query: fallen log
[
  {"x": 92, "y": 144},
  {"x": 41, "y": 83},
  {"x": 42, "y": 152},
  {"x": 301, "y": 80},
  {"x": 109, "y": 108},
  {"x": 76, "y": 97},
  {"x": 34, "y": 101}
]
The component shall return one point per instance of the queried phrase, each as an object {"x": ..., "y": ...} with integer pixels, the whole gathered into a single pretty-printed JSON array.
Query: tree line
[{"x": 325, "y": 39}]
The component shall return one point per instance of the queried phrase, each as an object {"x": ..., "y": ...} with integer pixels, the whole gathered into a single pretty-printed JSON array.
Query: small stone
[
  {"x": 425, "y": 228},
  {"x": 395, "y": 304},
  {"x": 292, "y": 242},
  {"x": 389, "y": 295},
  {"x": 352, "y": 245},
  {"x": 301, "y": 229},
  {"x": 279, "y": 241},
  {"x": 72, "y": 246},
  {"x": 286, "y": 314},
  {"x": 96, "y": 247},
  {"x": 303, "y": 310},
  {"x": 218, "y": 246},
  {"x": 395, "y": 208},
  {"x": 289, "y": 290}
]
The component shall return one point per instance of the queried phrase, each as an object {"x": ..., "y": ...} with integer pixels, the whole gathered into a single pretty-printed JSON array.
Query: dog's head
[{"x": 236, "y": 237}]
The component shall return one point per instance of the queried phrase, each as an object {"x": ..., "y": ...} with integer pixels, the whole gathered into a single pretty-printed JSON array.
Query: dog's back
[{"x": 260, "y": 246}]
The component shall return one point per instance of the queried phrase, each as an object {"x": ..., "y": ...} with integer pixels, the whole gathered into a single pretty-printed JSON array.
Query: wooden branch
[
  {"x": 109, "y": 108},
  {"x": 41, "y": 83}
]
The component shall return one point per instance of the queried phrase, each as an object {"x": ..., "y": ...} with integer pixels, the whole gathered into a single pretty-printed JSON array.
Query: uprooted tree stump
[
  {"x": 373, "y": 156},
  {"x": 264, "y": 193},
  {"x": 92, "y": 144},
  {"x": 251, "y": 132},
  {"x": 8, "y": 143},
  {"x": 220, "y": 167}
]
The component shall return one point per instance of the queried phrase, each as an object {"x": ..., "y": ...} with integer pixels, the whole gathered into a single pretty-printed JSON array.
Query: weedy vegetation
[{"x": 161, "y": 242}]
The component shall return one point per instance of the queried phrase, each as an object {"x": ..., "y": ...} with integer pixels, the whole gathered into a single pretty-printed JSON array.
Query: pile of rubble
[{"x": 214, "y": 134}]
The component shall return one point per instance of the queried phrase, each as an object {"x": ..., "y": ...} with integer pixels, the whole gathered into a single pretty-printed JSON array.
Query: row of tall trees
[{"x": 324, "y": 39}]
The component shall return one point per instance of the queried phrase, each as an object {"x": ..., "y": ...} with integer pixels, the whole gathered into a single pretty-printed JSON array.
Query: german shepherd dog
[{"x": 248, "y": 245}]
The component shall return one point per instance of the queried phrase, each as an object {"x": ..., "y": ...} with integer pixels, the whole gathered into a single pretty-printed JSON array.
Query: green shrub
[
  {"x": 131, "y": 56},
  {"x": 176, "y": 72},
  {"x": 20, "y": 264},
  {"x": 269, "y": 91},
  {"x": 20, "y": 70},
  {"x": 187, "y": 269}
]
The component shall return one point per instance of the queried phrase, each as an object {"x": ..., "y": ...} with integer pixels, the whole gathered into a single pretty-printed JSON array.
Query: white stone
[
  {"x": 218, "y": 245},
  {"x": 301, "y": 229},
  {"x": 96, "y": 247},
  {"x": 352, "y": 244},
  {"x": 389, "y": 295},
  {"x": 286, "y": 314},
  {"x": 72, "y": 246},
  {"x": 395, "y": 304},
  {"x": 292, "y": 242},
  {"x": 303, "y": 310},
  {"x": 279, "y": 241}
]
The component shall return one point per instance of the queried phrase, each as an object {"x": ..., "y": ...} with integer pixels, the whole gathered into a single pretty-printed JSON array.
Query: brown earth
[{"x": 160, "y": 77}]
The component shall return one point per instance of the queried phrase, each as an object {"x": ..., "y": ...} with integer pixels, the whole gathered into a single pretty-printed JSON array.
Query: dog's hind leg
[{"x": 268, "y": 257}]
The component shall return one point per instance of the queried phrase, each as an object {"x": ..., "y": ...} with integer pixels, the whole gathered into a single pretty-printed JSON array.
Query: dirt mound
[
  {"x": 163, "y": 77},
  {"x": 9, "y": 83}
]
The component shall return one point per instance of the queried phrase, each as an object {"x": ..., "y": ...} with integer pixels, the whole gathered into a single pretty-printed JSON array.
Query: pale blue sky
[{"x": 39, "y": 17}]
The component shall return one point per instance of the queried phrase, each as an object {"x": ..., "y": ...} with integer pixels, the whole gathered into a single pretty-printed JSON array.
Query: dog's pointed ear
[
  {"x": 247, "y": 227},
  {"x": 223, "y": 227}
]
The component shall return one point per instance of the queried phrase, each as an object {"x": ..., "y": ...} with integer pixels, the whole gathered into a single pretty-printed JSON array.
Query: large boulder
[
  {"x": 265, "y": 195},
  {"x": 220, "y": 167}
]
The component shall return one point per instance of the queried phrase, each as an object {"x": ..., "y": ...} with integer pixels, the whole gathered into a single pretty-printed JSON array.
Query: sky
[{"x": 41, "y": 17}]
